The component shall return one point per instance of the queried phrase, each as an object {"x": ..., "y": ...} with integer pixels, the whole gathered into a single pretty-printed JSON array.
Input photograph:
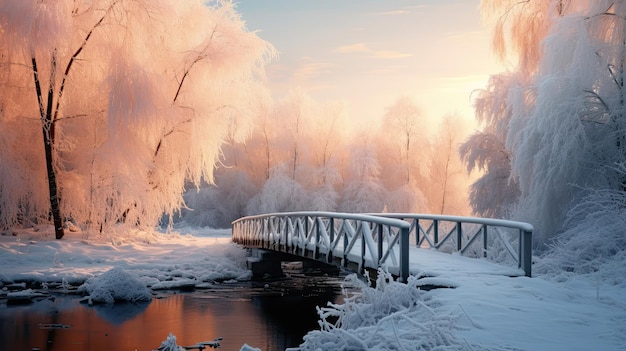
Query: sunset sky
[{"x": 370, "y": 52}]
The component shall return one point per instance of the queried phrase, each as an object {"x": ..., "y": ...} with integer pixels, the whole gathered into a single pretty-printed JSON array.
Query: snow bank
[
  {"x": 481, "y": 312},
  {"x": 114, "y": 286}
]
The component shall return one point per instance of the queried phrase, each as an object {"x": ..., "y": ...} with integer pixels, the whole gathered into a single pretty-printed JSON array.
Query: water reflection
[
  {"x": 271, "y": 319},
  {"x": 118, "y": 314}
]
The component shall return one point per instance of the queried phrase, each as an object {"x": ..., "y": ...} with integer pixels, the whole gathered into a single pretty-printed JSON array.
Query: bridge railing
[
  {"x": 503, "y": 240},
  {"x": 367, "y": 240}
]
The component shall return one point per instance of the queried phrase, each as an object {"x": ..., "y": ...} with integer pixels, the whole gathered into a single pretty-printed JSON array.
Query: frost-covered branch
[
  {"x": 201, "y": 56},
  {"x": 75, "y": 56}
]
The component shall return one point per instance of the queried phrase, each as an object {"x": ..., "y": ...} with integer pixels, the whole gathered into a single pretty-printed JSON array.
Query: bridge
[{"x": 401, "y": 243}]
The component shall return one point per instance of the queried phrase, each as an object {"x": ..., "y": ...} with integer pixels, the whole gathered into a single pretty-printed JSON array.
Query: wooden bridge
[{"x": 401, "y": 243}]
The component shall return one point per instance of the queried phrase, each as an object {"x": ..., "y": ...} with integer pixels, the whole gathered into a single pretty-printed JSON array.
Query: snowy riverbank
[
  {"x": 161, "y": 261},
  {"x": 483, "y": 312}
]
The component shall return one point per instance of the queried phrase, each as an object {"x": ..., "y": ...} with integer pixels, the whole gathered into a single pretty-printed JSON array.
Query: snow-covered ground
[
  {"x": 482, "y": 312},
  {"x": 161, "y": 261}
]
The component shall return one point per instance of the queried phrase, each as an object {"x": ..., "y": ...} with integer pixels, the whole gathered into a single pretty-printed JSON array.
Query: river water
[{"x": 267, "y": 315}]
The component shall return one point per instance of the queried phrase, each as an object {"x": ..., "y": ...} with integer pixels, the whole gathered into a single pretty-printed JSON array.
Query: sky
[{"x": 369, "y": 53}]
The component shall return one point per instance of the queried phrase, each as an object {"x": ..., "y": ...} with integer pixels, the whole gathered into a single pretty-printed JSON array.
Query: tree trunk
[
  {"x": 445, "y": 178},
  {"x": 52, "y": 187},
  {"x": 47, "y": 127}
]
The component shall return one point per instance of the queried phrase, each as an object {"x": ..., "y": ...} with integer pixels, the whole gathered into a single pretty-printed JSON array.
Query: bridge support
[{"x": 265, "y": 264}]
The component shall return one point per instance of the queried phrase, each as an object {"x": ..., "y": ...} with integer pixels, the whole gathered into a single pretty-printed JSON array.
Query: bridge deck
[{"x": 438, "y": 264}]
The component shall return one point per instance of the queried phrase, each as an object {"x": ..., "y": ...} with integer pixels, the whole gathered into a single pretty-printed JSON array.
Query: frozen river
[{"x": 271, "y": 317}]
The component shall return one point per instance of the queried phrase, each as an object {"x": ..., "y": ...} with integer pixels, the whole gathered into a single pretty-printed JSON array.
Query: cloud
[
  {"x": 364, "y": 48},
  {"x": 404, "y": 11},
  {"x": 385, "y": 71},
  {"x": 390, "y": 54},
  {"x": 417, "y": 7},
  {"x": 477, "y": 34},
  {"x": 309, "y": 70},
  {"x": 393, "y": 13},
  {"x": 358, "y": 47},
  {"x": 465, "y": 78}
]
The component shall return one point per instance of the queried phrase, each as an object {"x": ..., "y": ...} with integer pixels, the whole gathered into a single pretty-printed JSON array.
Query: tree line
[
  {"x": 304, "y": 154},
  {"x": 112, "y": 110}
]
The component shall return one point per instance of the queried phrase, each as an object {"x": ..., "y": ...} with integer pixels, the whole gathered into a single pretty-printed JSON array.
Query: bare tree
[
  {"x": 448, "y": 181},
  {"x": 404, "y": 118}
]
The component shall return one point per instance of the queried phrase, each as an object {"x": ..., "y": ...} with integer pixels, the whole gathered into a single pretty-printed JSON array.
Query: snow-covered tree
[
  {"x": 406, "y": 199},
  {"x": 404, "y": 127},
  {"x": 294, "y": 114},
  {"x": 297, "y": 135},
  {"x": 134, "y": 98},
  {"x": 281, "y": 193},
  {"x": 493, "y": 194},
  {"x": 564, "y": 115},
  {"x": 447, "y": 179},
  {"x": 363, "y": 191}
]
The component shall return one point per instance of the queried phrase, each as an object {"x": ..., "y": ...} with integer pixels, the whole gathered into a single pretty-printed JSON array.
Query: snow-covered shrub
[
  {"x": 392, "y": 316},
  {"x": 115, "y": 285},
  {"x": 595, "y": 238}
]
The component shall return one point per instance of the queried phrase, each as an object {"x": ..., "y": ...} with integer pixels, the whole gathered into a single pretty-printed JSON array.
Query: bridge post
[
  {"x": 525, "y": 257},
  {"x": 380, "y": 243},
  {"x": 316, "y": 250},
  {"x": 404, "y": 254},
  {"x": 264, "y": 223},
  {"x": 306, "y": 234},
  {"x": 459, "y": 236},
  {"x": 485, "y": 241},
  {"x": 359, "y": 229},
  {"x": 416, "y": 223},
  {"x": 282, "y": 229},
  {"x": 331, "y": 229}
]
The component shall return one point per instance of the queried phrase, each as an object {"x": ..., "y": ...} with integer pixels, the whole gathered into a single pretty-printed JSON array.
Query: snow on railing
[
  {"x": 502, "y": 240},
  {"x": 362, "y": 240}
]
